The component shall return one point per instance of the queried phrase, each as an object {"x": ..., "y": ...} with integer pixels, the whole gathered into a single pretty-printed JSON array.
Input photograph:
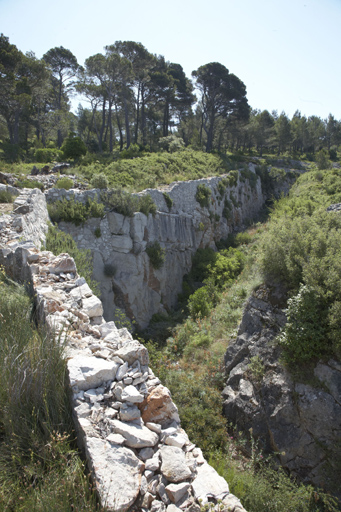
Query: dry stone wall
[
  {"x": 137, "y": 288},
  {"x": 127, "y": 423}
]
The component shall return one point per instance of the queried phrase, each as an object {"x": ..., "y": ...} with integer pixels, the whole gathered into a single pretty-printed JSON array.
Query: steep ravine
[{"x": 136, "y": 288}]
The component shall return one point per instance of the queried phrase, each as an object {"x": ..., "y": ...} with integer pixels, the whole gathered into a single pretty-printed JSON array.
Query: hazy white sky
[{"x": 287, "y": 52}]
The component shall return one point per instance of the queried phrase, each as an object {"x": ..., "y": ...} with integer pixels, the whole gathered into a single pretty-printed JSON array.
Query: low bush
[
  {"x": 99, "y": 181},
  {"x": 47, "y": 155},
  {"x": 147, "y": 205},
  {"x": 168, "y": 199},
  {"x": 65, "y": 183},
  {"x": 121, "y": 201},
  {"x": 6, "y": 197},
  {"x": 203, "y": 195},
  {"x": 69, "y": 210},
  {"x": 156, "y": 254},
  {"x": 25, "y": 183}
]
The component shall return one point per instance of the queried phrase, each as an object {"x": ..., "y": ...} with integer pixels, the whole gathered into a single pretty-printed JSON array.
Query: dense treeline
[{"x": 135, "y": 98}]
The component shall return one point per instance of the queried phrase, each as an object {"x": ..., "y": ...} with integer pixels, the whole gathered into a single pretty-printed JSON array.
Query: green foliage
[
  {"x": 200, "y": 303},
  {"x": 29, "y": 184},
  {"x": 73, "y": 147},
  {"x": 226, "y": 267},
  {"x": 256, "y": 368},
  {"x": 246, "y": 174},
  {"x": 99, "y": 181},
  {"x": 156, "y": 254},
  {"x": 203, "y": 195},
  {"x": 168, "y": 199},
  {"x": 132, "y": 152},
  {"x": 302, "y": 246},
  {"x": 6, "y": 197},
  {"x": 69, "y": 210},
  {"x": 65, "y": 183},
  {"x": 147, "y": 205},
  {"x": 267, "y": 489},
  {"x": 277, "y": 174},
  {"x": 58, "y": 242},
  {"x": 46, "y": 155},
  {"x": 98, "y": 232},
  {"x": 121, "y": 201},
  {"x": 227, "y": 209},
  {"x": 40, "y": 466},
  {"x": 322, "y": 160},
  {"x": 171, "y": 143},
  {"x": 304, "y": 335}
]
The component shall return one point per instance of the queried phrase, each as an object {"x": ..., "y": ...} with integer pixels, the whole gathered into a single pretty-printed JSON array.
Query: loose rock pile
[{"x": 127, "y": 423}]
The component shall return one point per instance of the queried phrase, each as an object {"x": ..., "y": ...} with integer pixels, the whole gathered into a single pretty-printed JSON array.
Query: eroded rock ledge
[
  {"x": 127, "y": 423},
  {"x": 300, "y": 422}
]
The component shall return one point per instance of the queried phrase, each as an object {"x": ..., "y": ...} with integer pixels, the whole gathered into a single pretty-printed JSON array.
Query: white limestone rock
[
  {"x": 208, "y": 483},
  {"x": 137, "y": 436},
  {"x": 177, "y": 491},
  {"x": 117, "y": 472},
  {"x": 173, "y": 465},
  {"x": 92, "y": 306},
  {"x": 131, "y": 394},
  {"x": 90, "y": 372}
]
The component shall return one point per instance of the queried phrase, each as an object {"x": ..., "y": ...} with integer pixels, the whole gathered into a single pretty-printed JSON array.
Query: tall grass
[{"x": 40, "y": 469}]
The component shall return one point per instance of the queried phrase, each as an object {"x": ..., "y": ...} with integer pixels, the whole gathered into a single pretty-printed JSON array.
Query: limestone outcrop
[
  {"x": 127, "y": 424},
  {"x": 136, "y": 288},
  {"x": 300, "y": 421}
]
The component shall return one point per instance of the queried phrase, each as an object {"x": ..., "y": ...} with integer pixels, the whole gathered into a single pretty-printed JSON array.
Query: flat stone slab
[
  {"x": 88, "y": 372},
  {"x": 137, "y": 436},
  {"x": 173, "y": 465},
  {"x": 117, "y": 472},
  {"x": 209, "y": 484}
]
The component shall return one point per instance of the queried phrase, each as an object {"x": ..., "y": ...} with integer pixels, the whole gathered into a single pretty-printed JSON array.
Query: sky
[{"x": 287, "y": 52}]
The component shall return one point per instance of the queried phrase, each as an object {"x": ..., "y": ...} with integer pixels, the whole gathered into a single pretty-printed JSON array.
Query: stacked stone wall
[{"x": 127, "y": 423}]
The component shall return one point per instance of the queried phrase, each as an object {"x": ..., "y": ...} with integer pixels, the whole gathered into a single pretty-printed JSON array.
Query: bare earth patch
[{"x": 5, "y": 208}]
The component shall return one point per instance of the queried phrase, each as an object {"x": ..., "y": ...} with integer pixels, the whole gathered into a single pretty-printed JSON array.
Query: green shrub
[
  {"x": 246, "y": 174},
  {"x": 203, "y": 195},
  {"x": 98, "y": 232},
  {"x": 221, "y": 188},
  {"x": 121, "y": 201},
  {"x": 200, "y": 303},
  {"x": 171, "y": 143},
  {"x": 46, "y": 155},
  {"x": 99, "y": 181},
  {"x": 73, "y": 147},
  {"x": 156, "y": 254},
  {"x": 242, "y": 239},
  {"x": 304, "y": 335},
  {"x": 65, "y": 183},
  {"x": 29, "y": 184},
  {"x": 132, "y": 152},
  {"x": 6, "y": 197},
  {"x": 58, "y": 242},
  {"x": 227, "y": 209},
  {"x": 147, "y": 205},
  {"x": 168, "y": 199},
  {"x": 322, "y": 160},
  {"x": 69, "y": 210}
]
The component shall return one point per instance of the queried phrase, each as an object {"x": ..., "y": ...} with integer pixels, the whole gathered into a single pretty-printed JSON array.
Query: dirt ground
[{"x": 5, "y": 208}]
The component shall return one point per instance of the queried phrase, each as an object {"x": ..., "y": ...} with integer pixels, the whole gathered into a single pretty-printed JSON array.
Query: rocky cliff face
[
  {"x": 137, "y": 288},
  {"x": 299, "y": 421}
]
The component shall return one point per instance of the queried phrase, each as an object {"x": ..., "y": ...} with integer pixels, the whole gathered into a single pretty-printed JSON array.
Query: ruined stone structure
[{"x": 127, "y": 423}]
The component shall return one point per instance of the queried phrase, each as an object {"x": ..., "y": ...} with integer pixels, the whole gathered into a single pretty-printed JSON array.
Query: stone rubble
[{"x": 127, "y": 424}]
